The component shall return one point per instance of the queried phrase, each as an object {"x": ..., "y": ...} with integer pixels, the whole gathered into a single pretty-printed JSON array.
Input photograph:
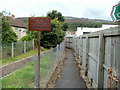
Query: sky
[{"x": 92, "y": 9}]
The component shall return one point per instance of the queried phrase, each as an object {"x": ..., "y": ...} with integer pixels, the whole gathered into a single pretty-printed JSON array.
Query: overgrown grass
[
  {"x": 45, "y": 65},
  {"x": 12, "y": 59},
  {"x": 24, "y": 77}
]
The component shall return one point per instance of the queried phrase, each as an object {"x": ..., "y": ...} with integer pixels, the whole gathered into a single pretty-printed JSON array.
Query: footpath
[{"x": 70, "y": 77}]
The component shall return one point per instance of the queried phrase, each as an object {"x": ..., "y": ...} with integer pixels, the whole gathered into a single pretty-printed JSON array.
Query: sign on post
[
  {"x": 38, "y": 24},
  {"x": 115, "y": 14}
]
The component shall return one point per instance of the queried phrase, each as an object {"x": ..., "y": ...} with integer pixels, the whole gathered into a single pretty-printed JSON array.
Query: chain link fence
[
  {"x": 6, "y": 50},
  {"x": 0, "y": 43},
  {"x": 29, "y": 45},
  {"x": 17, "y": 48},
  {"x": 21, "y": 74}
]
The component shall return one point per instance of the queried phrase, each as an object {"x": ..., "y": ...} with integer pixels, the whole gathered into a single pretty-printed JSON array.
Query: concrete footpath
[{"x": 70, "y": 74}]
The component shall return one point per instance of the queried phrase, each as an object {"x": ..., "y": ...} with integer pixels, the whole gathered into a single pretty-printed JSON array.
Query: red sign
[{"x": 39, "y": 24}]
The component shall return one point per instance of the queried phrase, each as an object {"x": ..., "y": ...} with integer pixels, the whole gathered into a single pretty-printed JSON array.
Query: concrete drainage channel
[
  {"x": 9, "y": 68},
  {"x": 54, "y": 75}
]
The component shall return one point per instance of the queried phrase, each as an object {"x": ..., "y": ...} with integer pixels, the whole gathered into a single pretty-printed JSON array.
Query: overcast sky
[{"x": 94, "y": 9}]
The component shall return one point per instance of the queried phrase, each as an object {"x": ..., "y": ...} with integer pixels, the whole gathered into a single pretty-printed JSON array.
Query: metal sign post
[
  {"x": 38, "y": 24},
  {"x": 37, "y": 65}
]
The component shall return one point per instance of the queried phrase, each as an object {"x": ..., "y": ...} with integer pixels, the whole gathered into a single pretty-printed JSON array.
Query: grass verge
[
  {"x": 25, "y": 55},
  {"x": 24, "y": 77}
]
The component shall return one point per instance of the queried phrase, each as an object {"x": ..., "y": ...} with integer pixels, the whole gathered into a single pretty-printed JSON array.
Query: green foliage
[
  {"x": 21, "y": 56},
  {"x": 50, "y": 38},
  {"x": 54, "y": 14},
  {"x": 8, "y": 35},
  {"x": 73, "y": 26},
  {"x": 6, "y": 13},
  {"x": 65, "y": 27},
  {"x": 53, "y": 37},
  {"x": 26, "y": 38},
  {"x": 0, "y": 27},
  {"x": 24, "y": 77}
]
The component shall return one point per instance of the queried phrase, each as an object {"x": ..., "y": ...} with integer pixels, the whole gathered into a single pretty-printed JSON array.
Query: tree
[
  {"x": 49, "y": 38},
  {"x": 73, "y": 26},
  {"x": 0, "y": 27},
  {"x": 54, "y": 14},
  {"x": 26, "y": 38},
  {"x": 8, "y": 35},
  {"x": 53, "y": 37}
]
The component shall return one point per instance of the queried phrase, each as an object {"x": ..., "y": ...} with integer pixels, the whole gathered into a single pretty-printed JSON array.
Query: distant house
[
  {"x": 18, "y": 26},
  {"x": 86, "y": 30}
]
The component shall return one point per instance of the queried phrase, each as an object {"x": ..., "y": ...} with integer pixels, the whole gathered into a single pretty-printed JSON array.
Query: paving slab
[{"x": 70, "y": 77}]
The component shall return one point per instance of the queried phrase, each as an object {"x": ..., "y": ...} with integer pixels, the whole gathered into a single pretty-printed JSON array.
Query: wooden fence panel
[
  {"x": 112, "y": 56},
  {"x": 98, "y": 52},
  {"x": 84, "y": 53},
  {"x": 93, "y": 60}
]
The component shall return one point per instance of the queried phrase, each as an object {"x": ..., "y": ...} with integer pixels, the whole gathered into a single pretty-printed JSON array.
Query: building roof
[{"x": 16, "y": 22}]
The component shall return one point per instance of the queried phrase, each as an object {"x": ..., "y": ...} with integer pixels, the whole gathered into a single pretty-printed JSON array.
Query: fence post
[
  {"x": 51, "y": 57},
  {"x": 80, "y": 50},
  {"x": 33, "y": 44},
  {"x": 87, "y": 57},
  {"x": 76, "y": 45},
  {"x": 12, "y": 49},
  {"x": 101, "y": 60},
  {"x": 57, "y": 53},
  {"x": 60, "y": 50},
  {"x": 24, "y": 46}
]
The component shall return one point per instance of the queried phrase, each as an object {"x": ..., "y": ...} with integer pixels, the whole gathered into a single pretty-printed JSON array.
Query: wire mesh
[
  {"x": 23, "y": 76},
  {"x": 6, "y": 50},
  {"x": 29, "y": 45},
  {"x": 18, "y": 48}
]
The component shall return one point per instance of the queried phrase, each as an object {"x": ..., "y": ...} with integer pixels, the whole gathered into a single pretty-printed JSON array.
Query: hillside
[
  {"x": 74, "y": 22},
  {"x": 69, "y": 19}
]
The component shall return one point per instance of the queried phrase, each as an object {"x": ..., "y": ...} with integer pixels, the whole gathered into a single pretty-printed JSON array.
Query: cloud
[{"x": 77, "y": 8}]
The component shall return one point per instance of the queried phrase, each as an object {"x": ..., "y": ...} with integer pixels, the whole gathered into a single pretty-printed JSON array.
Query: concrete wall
[{"x": 98, "y": 52}]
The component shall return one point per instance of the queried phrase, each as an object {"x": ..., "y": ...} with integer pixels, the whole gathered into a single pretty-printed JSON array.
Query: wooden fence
[{"x": 98, "y": 52}]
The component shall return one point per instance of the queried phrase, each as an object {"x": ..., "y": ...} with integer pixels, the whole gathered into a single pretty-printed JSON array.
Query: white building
[{"x": 85, "y": 30}]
